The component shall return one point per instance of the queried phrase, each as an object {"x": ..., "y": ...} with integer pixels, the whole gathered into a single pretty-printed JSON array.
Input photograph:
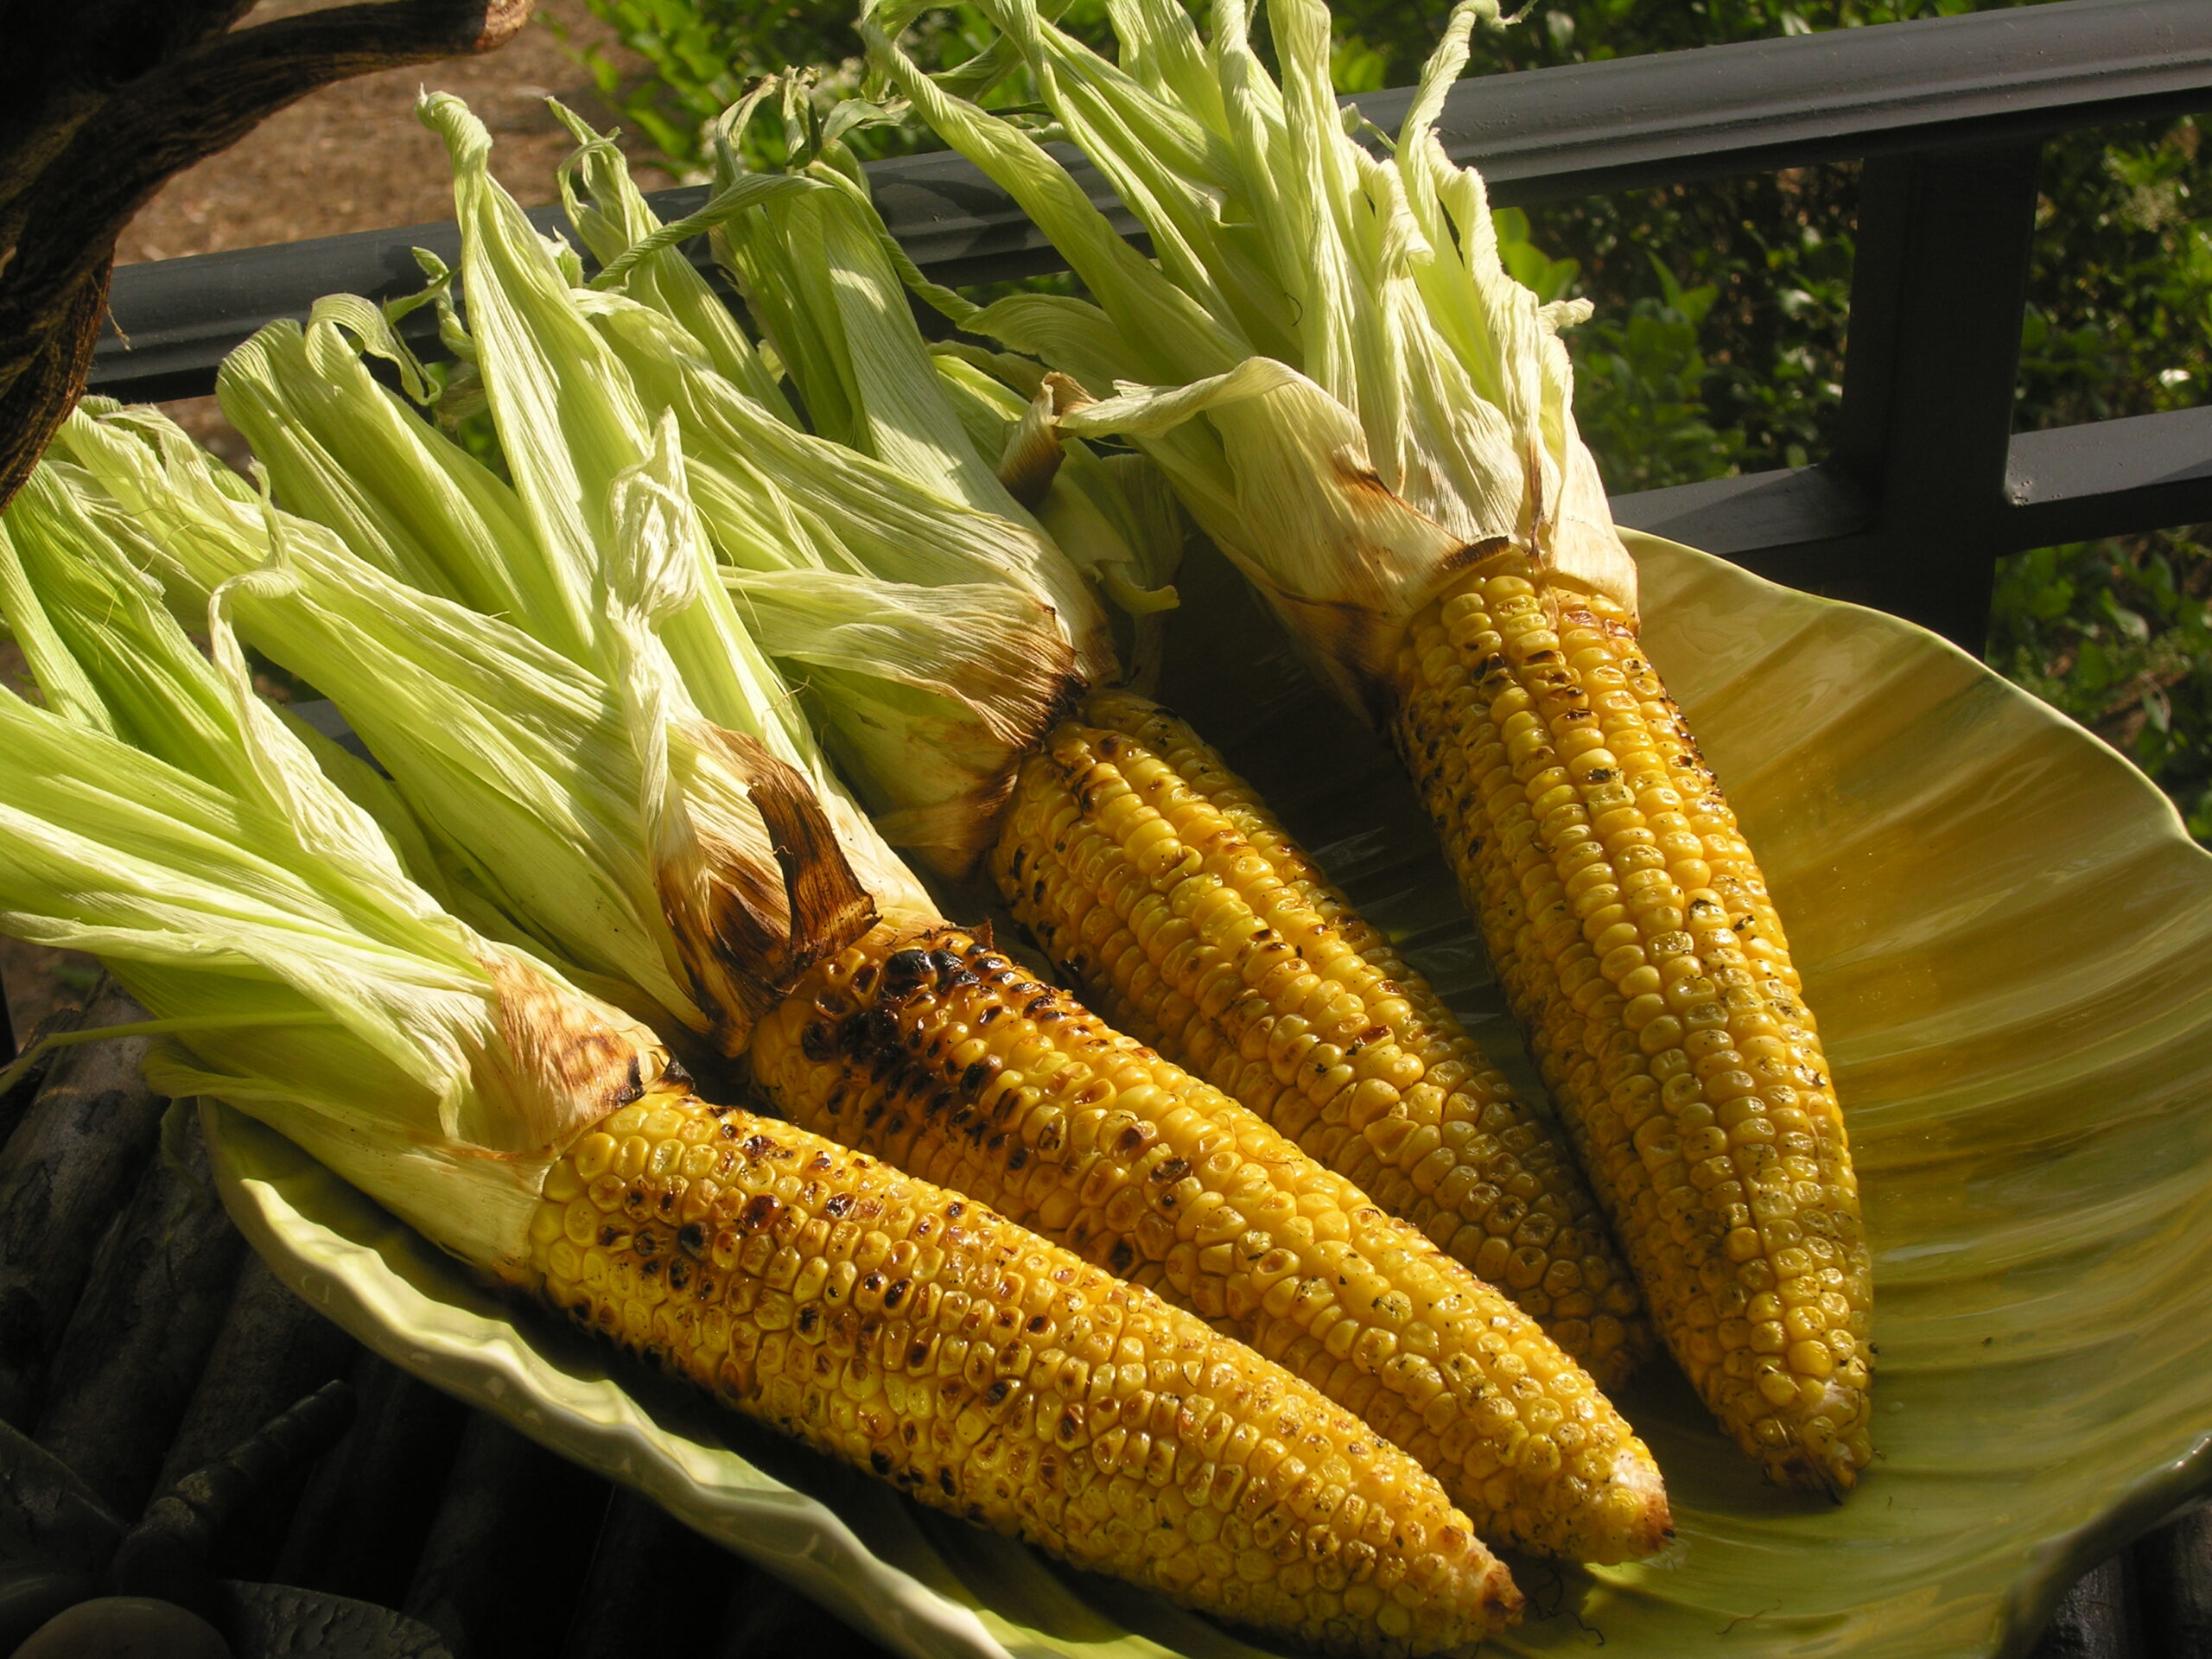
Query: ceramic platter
[{"x": 2007, "y": 938}]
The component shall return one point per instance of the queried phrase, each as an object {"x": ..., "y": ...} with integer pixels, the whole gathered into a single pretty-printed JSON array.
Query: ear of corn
[
  {"x": 932, "y": 1050},
  {"x": 911, "y": 1333},
  {"x": 1143, "y": 866},
  {"x": 1641, "y": 952}
]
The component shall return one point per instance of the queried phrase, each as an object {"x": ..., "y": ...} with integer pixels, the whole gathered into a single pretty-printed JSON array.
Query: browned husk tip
[{"x": 743, "y": 944}]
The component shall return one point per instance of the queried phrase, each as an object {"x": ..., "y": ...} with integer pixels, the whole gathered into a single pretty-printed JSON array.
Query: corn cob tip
[
  {"x": 1644, "y": 1523},
  {"x": 1820, "y": 1456}
]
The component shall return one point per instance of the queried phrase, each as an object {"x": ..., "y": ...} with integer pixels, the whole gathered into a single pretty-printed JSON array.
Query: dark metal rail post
[{"x": 1937, "y": 288}]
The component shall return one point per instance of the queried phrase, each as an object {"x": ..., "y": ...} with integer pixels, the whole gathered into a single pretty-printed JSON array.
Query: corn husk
[
  {"x": 806, "y": 534},
  {"x": 889, "y": 507},
  {"x": 930, "y": 478},
  {"x": 265, "y": 919},
  {"x": 1351, "y": 395},
  {"x": 606, "y": 821}
]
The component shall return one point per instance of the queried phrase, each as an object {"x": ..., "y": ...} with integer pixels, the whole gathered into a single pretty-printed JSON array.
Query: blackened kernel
[
  {"x": 760, "y": 1212},
  {"x": 903, "y": 970}
]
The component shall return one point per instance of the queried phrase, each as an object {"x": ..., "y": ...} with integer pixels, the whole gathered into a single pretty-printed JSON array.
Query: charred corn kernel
[
  {"x": 1228, "y": 951},
  {"x": 932, "y": 1050},
  {"x": 1635, "y": 939},
  {"x": 993, "y": 1374}
]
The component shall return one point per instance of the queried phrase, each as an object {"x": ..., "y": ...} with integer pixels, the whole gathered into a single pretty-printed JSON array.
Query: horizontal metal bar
[
  {"x": 2070, "y": 483},
  {"x": 1984, "y": 77},
  {"x": 1734, "y": 515},
  {"x": 2110, "y": 477},
  {"x": 1539, "y": 135},
  {"x": 176, "y": 320}
]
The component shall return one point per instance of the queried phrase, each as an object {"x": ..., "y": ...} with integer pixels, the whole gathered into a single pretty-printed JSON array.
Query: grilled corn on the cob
[
  {"x": 1143, "y": 866},
  {"x": 913, "y": 1333},
  {"x": 1636, "y": 940},
  {"x": 931, "y": 1050}
]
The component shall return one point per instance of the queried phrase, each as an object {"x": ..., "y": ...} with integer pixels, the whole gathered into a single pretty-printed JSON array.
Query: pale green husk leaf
[
  {"x": 1385, "y": 354},
  {"x": 264, "y": 918}
]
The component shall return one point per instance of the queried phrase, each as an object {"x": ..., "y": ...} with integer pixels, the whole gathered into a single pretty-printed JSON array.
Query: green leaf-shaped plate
[{"x": 2007, "y": 938}]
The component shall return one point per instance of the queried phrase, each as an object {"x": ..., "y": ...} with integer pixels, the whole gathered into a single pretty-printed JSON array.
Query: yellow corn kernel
[
  {"x": 1653, "y": 984},
  {"x": 1110, "y": 1150},
  {"x": 1291, "y": 1002},
  {"x": 1023, "y": 1448}
]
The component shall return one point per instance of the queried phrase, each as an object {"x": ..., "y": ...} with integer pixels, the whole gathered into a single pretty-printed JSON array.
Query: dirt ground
[{"x": 351, "y": 157}]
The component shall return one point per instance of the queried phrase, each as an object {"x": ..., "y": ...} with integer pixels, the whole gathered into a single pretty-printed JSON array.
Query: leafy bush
[
  {"x": 703, "y": 54},
  {"x": 2119, "y": 634},
  {"x": 1722, "y": 306}
]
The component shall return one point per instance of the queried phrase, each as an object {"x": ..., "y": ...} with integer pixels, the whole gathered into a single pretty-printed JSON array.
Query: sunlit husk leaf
[
  {"x": 891, "y": 502},
  {"x": 531, "y": 772},
  {"x": 1431, "y": 410},
  {"x": 266, "y": 919},
  {"x": 923, "y": 692},
  {"x": 329, "y": 435}
]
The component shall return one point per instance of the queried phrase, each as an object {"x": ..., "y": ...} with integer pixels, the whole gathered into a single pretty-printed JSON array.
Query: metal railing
[{"x": 1928, "y": 485}]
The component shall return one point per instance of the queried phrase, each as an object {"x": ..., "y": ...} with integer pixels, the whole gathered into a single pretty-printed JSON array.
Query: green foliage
[
  {"x": 1640, "y": 383},
  {"x": 703, "y": 54},
  {"x": 1718, "y": 340},
  {"x": 2121, "y": 294},
  {"x": 2119, "y": 634}
]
